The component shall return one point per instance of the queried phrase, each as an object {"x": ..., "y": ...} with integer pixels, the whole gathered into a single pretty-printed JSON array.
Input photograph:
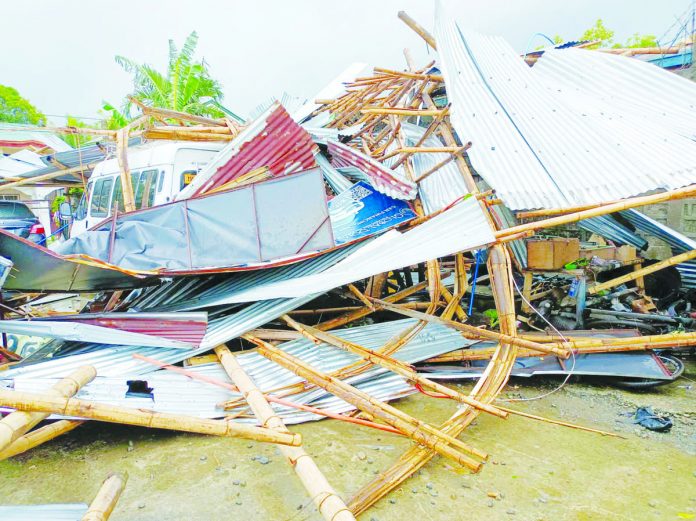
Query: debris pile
[{"x": 400, "y": 229}]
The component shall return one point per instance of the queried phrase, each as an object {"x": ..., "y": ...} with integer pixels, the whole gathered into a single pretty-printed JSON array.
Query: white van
[{"x": 159, "y": 170}]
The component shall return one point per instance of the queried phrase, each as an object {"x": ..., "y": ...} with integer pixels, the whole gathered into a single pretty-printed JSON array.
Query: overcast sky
[{"x": 60, "y": 54}]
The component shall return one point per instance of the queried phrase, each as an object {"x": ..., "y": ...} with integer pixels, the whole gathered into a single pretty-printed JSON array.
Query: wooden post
[
  {"x": 44, "y": 402},
  {"x": 122, "y": 157},
  {"x": 417, "y": 430},
  {"x": 103, "y": 504},
  {"x": 18, "y": 423},
  {"x": 329, "y": 504},
  {"x": 639, "y": 273},
  {"x": 38, "y": 436},
  {"x": 527, "y": 291}
]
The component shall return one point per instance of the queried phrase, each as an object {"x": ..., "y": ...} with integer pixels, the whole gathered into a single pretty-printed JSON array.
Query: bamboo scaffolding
[
  {"x": 476, "y": 332},
  {"x": 18, "y": 423},
  {"x": 122, "y": 158},
  {"x": 325, "y": 498},
  {"x": 391, "y": 364},
  {"x": 44, "y": 402},
  {"x": 38, "y": 437},
  {"x": 402, "y": 112},
  {"x": 186, "y": 135},
  {"x": 46, "y": 177},
  {"x": 672, "y": 261},
  {"x": 104, "y": 502},
  {"x": 417, "y": 430}
]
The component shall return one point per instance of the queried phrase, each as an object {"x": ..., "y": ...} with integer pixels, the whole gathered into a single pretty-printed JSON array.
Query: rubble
[{"x": 429, "y": 193}]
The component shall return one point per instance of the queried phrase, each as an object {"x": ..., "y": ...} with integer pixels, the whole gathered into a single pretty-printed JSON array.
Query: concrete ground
[{"x": 536, "y": 471}]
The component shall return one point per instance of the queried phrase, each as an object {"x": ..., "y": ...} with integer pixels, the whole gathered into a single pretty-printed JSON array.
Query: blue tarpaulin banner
[{"x": 361, "y": 211}]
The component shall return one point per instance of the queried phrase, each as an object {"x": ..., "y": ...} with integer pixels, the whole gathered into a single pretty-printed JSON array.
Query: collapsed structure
[{"x": 388, "y": 196}]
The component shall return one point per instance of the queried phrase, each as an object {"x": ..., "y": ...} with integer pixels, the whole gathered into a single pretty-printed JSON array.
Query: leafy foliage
[
  {"x": 16, "y": 109},
  {"x": 642, "y": 40},
  {"x": 182, "y": 87},
  {"x": 600, "y": 33},
  {"x": 75, "y": 140}
]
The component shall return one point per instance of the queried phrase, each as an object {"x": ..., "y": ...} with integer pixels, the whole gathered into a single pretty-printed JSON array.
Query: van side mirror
[{"x": 65, "y": 211}]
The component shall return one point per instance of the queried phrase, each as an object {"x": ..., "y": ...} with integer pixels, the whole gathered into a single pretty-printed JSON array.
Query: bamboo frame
[
  {"x": 18, "y": 423},
  {"x": 46, "y": 403},
  {"x": 391, "y": 364},
  {"x": 639, "y": 273},
  {"x": 325, "y": 498},
  {"x": 417, "y": 430},
  {"x": 104, "y": 502},
  {"x": 419, "y": 30}
]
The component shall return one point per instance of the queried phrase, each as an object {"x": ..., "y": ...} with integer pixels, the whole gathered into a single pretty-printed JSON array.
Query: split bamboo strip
[
  {"x": 19, "y": 423},
  {"x": 412, "y": 75},
  {"x": 391, "y": 364},
  {"x": 475, "y": 332},
  {"x": 104, "y": 502},
  {"x": 559, "y": 422},
  {"x": 634, "y": 202},
  {"x": 677, "y": 259},
  {"x": 38, "y": 436},
  {"x": 417, "y": 430},
  {"x": 325, "y": 498},
  {"x": 44, "y": 402},
  {"x": 418, "y": 29},
  {"x": 548, "y": 212}
]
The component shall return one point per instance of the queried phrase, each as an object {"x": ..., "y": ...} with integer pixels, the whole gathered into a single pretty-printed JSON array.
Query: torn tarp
[
  {"x": 281, "y": 220},
  {"x": 39, "y": 269}
]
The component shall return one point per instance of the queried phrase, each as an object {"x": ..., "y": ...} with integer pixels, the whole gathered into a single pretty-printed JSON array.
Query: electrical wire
[{"x": 563, "y": 338}]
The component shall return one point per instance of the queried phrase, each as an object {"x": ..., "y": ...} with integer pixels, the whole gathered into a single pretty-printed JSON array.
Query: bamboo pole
[
  {"x": 173, "y": 114},
  {"x": 420, "y": 31},
  {"x": 38, "y": 437},
  {"x": 43, "y": 402},
  {"x": 325, "y": 498},
  {"x": 634, "y": 202},
  {"x": 476, "y": 332},
  {"x": 46, "y": 177},
  {"x": 186, "y": 135},
  {"x": 389, "y": 363},
  {"x": 402, "y": 112},
  {"x": 104, "y": 502},
  {"x": 417, "y": 430},
  {"x": 122, "y": 158},
  {"x": 677, "y": 259},
  {"x": 411, "y": 75},
  {"x": 18, "y": 423}
]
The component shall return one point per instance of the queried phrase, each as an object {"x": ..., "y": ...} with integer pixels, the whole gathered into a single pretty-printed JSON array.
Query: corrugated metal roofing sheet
[
  {"x": 537, "y": 150},
  {"x": 382, "y": 178},
  {"x": 57, "y": 512},
  {"x": 21, "y": 135},
  {"x": 600, "y": 83},
  {"x": 273, "y": 140}
]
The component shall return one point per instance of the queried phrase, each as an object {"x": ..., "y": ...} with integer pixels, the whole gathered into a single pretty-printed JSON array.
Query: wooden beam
[{"x": 122, "y": 157}]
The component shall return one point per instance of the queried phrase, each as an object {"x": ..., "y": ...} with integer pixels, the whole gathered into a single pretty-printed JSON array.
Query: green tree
[
  {"x": 599, "y": 33},
  {"x": 642, "y": 40},
  {"x": 16, "y": 109},
  {"x": 182, "y": 87},
  {"x": 75, "y": 140}
]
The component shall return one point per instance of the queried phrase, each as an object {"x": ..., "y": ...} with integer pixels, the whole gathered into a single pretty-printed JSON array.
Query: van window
[
  {"x": 160, "y": 183},
  {"x": 117, "y": 201},
  {"x": 144, "y": 192},
  {"x": 100, "y": 198},
  {"x": 81, "y": 210}
]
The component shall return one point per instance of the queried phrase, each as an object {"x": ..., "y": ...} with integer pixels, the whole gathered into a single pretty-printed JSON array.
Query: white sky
[{"x": 60, "y": 54}]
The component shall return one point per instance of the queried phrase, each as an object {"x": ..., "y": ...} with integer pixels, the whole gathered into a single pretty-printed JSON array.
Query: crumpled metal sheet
[
  {"x": 537, "y": 150},
  {"x": 56, "y": 512}
]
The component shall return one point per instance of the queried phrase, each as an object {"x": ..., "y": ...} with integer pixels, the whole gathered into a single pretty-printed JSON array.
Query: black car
[{"x": 17, "y": 218}]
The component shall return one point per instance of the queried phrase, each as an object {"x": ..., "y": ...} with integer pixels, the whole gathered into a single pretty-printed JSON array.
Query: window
[
  {"x": 160, "y": 183},
  {"x": 144, "y": 190},
  {"x": 6, "y": 197},
  {"x": 100, "y": 199},
  {"x": 12, "y": 210},
  {"x": 118, "y": 196},
  {"x": 81, "y": 210}
]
